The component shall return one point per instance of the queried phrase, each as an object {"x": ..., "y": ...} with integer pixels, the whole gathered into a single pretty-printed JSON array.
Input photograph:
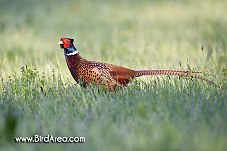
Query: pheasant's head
[{"x": 67, "y": 45}]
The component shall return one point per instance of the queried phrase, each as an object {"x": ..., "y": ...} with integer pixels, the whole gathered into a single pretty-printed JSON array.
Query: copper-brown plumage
[{"x": 109, "y": 75}]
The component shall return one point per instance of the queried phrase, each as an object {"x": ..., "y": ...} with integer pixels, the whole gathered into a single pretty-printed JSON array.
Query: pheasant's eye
[{"x": 61, "y": 46}]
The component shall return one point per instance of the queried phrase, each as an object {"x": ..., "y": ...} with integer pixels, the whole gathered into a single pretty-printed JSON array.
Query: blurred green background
[
  {"x": 149, "y": 34},
  {"x": 137, "y": 34}
]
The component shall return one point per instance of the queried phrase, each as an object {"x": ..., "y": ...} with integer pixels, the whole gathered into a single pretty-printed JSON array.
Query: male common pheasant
[{"x": 109, "y": 75}]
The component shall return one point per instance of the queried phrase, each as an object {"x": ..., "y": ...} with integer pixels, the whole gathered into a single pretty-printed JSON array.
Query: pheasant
[{"x": 108, "y": 75}]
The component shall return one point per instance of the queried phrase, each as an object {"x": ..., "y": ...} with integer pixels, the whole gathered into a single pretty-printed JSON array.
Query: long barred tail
[{"x": 182, "y": 73}]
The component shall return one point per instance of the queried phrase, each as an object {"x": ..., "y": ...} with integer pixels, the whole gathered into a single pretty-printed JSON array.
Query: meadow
[{"x": 38, "y": 96}]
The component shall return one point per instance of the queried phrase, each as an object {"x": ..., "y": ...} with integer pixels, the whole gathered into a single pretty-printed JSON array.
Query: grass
[{"x": 39, "y": 96}]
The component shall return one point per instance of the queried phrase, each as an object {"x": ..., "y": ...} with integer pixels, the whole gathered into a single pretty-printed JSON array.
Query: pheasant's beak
[{"x": 61, "y": 44}]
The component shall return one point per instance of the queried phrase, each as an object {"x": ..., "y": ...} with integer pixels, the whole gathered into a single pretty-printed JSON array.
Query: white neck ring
[{"x": 73, "y": 53}]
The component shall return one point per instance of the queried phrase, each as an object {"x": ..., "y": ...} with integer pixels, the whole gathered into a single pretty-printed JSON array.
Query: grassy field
[{"x": 38, "y": 96}]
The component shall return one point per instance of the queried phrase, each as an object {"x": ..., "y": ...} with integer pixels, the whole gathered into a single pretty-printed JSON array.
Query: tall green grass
[{"x": 39, "y": 96}]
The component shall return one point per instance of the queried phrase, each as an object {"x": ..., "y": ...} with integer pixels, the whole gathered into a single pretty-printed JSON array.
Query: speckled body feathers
[{"x": 85, "y": 72}]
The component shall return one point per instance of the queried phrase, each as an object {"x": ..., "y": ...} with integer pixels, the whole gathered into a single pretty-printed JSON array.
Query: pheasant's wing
[
  {"x": 120, "y": 71},
  {"x": 121, "y": 74}
]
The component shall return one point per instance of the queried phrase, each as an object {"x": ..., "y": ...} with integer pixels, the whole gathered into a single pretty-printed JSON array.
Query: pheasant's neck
[
  {"x": 73, "y": 58},
  {"x": 73, "y": 61},
  {"x": 70, "y": 51}
]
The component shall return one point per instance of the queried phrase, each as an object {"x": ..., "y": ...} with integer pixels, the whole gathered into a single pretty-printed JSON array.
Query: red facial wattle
[{"x": 64, "y": 43}]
